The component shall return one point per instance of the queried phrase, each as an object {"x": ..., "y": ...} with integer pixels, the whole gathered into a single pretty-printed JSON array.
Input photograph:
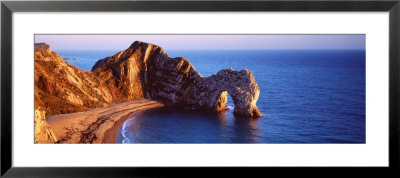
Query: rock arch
[
  {"x": 145, "y": 70},
  {"x": 211, "y": 92}
]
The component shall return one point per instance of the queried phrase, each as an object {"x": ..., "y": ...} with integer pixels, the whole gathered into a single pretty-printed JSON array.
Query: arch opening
[{"x": 225, "y": 101}]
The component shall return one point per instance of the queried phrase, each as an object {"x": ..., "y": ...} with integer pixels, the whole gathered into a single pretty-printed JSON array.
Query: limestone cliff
[
  {"x": 146, "y": 70},
  {"x": 211, "y": 92},
  {"x": 62, "y": 88},
  {"x": 142, "y": 71}
]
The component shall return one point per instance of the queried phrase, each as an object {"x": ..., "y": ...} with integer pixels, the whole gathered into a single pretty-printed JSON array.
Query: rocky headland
[
  {"x": 146, "y": 70},
  {"x": 143, "y": 71}
]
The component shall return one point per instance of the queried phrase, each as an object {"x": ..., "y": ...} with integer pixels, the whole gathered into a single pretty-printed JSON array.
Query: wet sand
[{"x": 99, "y": 125}]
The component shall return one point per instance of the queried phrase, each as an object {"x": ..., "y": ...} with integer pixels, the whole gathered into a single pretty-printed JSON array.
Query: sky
[{"x": 204, "y": 42}]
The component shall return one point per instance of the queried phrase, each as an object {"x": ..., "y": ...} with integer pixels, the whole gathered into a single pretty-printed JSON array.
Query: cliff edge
[{"x": 141, "y": 71}]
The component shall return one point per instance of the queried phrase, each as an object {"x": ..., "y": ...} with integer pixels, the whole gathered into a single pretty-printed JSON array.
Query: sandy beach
[{"x": 98, "y": 125}]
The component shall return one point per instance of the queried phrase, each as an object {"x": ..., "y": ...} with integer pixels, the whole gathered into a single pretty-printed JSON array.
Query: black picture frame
[{"x": 8, "y": 7}]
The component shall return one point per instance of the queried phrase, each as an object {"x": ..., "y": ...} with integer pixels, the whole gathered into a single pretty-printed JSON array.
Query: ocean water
[
  {"x": 85, "y": 58},
  {"x": 306, "y": 96}
]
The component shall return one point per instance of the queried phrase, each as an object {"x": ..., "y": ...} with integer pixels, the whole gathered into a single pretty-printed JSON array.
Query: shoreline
[
  {"x": 110, "y": 136},
  {"x": 99, "y": 125}
]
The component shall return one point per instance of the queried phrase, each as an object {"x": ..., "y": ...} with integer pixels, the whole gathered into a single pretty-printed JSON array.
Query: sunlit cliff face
[{"x": 142, "y": 71}]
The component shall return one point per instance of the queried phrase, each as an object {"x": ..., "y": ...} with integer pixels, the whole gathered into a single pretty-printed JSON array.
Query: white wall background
[{"x": 373, "y": 153}]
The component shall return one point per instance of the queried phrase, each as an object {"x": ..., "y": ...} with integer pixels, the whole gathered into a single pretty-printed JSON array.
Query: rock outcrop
[
  {"x": 211, "y": 92},
  {"x": 42, "y": 46},
  {"x": 146, "y": 70},
  {"x": 142, "y": 71},
  {"x": 149, "y": 71},
  {"x": 43, "y": 132}
]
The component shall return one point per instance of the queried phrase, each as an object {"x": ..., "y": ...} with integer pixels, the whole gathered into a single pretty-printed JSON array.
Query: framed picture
[{"x": 135, "y": 88}]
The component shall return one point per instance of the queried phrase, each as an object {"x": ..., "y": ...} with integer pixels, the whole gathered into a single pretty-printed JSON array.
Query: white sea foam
[
  {"x": 230, "y": 107},
  {"x": 124, "y": 132}
]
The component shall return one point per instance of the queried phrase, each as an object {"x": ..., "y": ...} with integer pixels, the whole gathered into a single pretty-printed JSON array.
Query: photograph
[{"x": 199, "y": 88}]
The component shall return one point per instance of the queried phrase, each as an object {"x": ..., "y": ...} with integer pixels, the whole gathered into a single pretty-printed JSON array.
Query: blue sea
[{"x": 306, "y": 96}]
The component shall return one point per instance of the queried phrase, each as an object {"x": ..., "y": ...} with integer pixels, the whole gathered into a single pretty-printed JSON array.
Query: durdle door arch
[{"x": 210, "y": 92}]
